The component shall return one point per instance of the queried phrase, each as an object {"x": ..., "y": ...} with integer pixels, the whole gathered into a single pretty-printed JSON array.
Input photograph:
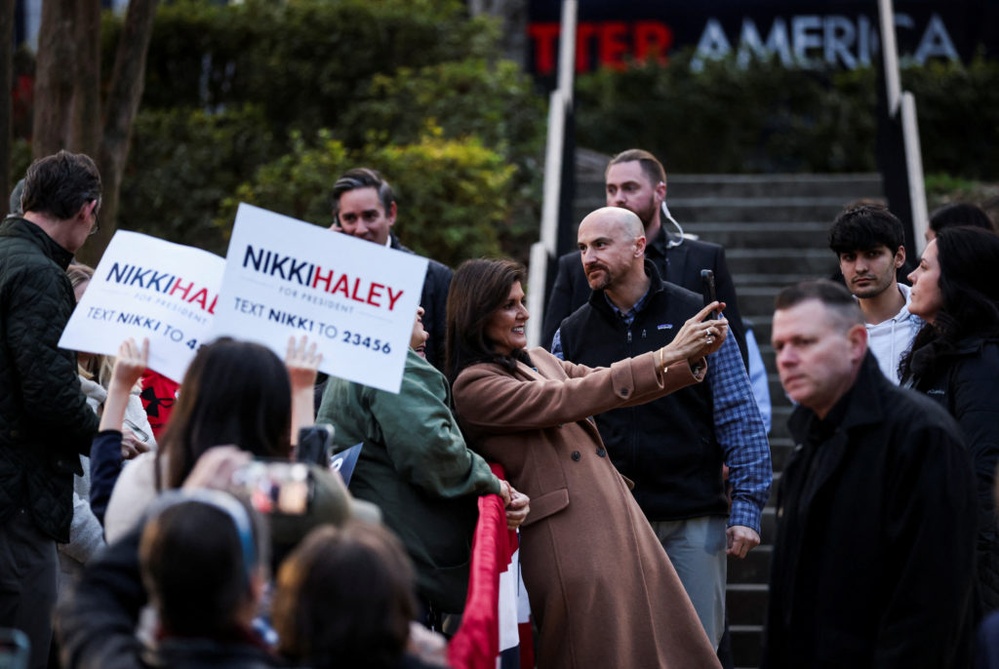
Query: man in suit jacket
[
  {"x": 364, "y": 206},
  {"x": 636, "y": 180}
]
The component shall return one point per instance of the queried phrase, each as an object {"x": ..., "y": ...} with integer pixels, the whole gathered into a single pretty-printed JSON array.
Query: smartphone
[
  {"x": 315, "y": 444},
  {"x": 276, "y": 487},
  {"x": 708, "y": 289}
]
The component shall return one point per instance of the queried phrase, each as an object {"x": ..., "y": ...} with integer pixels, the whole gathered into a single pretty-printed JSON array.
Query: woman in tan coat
[{"x": 602, "y": 591}]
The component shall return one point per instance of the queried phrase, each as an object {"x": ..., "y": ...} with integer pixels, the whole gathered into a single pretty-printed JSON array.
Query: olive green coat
[{"x": 415, "y": 466}]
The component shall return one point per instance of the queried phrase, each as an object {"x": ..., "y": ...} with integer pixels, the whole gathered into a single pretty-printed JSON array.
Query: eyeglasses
[{"x": 97, "y": 221}]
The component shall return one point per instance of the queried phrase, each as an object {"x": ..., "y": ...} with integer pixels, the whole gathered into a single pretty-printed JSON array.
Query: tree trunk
[
  {"x": 127, "y": 83},
  {"x": 6, "y": 84},
  {"x": 55, "y": 73},
  {"x": 85, "y": 132}
]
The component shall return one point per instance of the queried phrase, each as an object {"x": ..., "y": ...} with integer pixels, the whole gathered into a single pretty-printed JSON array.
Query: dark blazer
[
  {"x": 680, "y": 264},
  {"x": 873, "y": 565},
  {"x": 433, "y": 299}
]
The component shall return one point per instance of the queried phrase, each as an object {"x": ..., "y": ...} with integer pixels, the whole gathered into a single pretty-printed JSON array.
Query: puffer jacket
[
  {"x": 964, "y": 383},
  {"x": 45, "y": 423}
]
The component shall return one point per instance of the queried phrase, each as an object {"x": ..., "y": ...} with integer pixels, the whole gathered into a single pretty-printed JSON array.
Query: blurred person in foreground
[
  {"x": 345, "y": 599},
  {"x": 234, "y": 392}
]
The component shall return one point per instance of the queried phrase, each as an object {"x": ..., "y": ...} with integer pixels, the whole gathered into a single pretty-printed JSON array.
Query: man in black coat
[
  {"x": 45, "y": 423},
  {"x": 874, "y": 562},
  {"x": 636, "y": 180},
  {"x": 364, "y": 207}
]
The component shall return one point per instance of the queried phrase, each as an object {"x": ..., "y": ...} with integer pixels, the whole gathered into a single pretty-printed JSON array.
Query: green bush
[
  {"x": 452, "y": 194},
  {"x": 494, "y": 101},
  {"x": 766, "y": 118},
  {"x": 305, "y": 62},
  {"x": 958, "y": 110},
  {"x": 181, "y": 166},
  {"x": 723, "y": 118}
]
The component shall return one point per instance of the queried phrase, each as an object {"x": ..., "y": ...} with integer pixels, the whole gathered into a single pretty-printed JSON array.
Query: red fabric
[
  {"x": 158, "y": 395},
  {"x": 476, "y": 643}
]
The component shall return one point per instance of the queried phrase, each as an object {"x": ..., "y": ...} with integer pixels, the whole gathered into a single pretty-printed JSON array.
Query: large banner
[
  {"x": 287, "y": 278},
  {"x": 147, "y": 287},
  {"x": 828, "y": 33}
]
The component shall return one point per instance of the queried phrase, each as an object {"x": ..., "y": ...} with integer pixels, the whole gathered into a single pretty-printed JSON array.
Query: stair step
[
  {"x": 734, "y": 235},
  {"x": 814, "y": 263},
  {"x": 746, "y": 603},
  {"x": 754, "y": 568},
  {"x": 845, "y": 187},
  {"x": 691, "y": 211},
  {"x": 747, "y": 644}
]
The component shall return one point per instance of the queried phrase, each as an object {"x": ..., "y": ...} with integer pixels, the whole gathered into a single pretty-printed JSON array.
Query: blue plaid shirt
[{"x": 738, "y": 425}]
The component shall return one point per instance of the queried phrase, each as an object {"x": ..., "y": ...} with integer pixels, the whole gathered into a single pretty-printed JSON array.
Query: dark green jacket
[
  {"x": 416, "y": 467},
  {"x": 45, "y": 422}
]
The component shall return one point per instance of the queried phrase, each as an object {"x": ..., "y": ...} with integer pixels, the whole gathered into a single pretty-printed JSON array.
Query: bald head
[
  {"x": 611, "y": 243},
  {"x": 622, "y": 223}
]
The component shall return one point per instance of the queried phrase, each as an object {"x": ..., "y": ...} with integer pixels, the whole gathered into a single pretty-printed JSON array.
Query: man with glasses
[{"x": 45, "y": 423}]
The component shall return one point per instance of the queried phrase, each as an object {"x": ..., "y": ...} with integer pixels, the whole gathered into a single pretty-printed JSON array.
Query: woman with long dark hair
[
  {"x": 955, "y": 360},
  {"x": 602, "y": 589},
  {"x": 234, "y": 392}
]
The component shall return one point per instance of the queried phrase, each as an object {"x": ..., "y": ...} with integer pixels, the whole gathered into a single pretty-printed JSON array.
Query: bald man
[{"x": 672, "y": 448}]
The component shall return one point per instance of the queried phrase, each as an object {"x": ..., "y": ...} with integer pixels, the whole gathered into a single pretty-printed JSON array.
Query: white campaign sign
[
  {"x": 356, "y": 299},
  {"x": 147, "y": 287}
]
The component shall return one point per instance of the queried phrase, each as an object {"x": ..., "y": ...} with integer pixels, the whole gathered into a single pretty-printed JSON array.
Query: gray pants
[
  {"x": 29, "y": 569},
  {"x": 696, "y": 547}
]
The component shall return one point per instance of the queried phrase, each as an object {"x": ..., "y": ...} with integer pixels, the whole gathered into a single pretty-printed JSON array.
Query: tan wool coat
[{"x": 602, "y": 590}]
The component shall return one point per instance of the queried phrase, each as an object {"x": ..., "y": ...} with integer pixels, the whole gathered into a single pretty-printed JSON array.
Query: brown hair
[
  {"x": 233, "y": 392},
  {"x": 345, "y": 598},
  {"x": 478, "y": 289},
  {"x": 651, "y": 167}
]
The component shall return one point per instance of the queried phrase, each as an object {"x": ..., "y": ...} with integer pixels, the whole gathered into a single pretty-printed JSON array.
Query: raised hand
[
  {"x": 698, "y": 337},
  {"x": 302, "y": 361}
]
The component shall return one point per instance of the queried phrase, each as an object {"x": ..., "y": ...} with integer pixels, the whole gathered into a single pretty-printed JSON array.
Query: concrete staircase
[{"x": 774, "y": 230}]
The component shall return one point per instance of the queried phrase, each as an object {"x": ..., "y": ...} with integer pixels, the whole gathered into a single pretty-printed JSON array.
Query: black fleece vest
[{"x": 667, "y": 446}]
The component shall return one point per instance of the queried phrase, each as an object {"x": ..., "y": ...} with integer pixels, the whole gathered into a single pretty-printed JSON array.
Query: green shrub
[
  {"x": 766, "y": 118},
  {"x": 182, "y": 164},
  {"x": 494, "y": 101},
  {"x": 958, "y": 110},
  {"x": 452, "y": 194},
  {"x": 305, "y": 61}
]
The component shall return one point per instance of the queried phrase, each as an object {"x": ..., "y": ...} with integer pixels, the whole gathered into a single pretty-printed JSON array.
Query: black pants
[{"x": 29, "y": 569}]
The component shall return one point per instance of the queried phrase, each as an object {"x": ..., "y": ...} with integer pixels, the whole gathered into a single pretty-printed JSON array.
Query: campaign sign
[
  {"x": 344, "y": 462},
  {"x": 357, "y": 300},
  {"x": 148, "y": 287}
]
